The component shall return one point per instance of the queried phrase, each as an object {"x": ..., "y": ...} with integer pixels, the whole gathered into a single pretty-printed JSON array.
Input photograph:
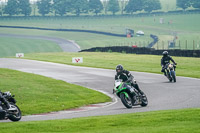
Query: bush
[{"x": 110, "y": 51}]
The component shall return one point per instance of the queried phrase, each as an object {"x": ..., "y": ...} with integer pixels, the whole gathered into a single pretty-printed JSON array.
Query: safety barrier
[
  {"x": 72, "y": 30},
  {"x": 144, "y": 50}
]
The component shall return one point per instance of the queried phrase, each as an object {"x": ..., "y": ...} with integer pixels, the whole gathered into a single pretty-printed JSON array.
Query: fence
[
  {"x": 143, "y": 50},
  {"x": 162, "y": 45},
  {"x": 180, "y": 44}
]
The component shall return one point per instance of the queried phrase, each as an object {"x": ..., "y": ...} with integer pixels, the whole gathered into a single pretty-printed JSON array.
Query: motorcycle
[
  {"x": 13, "y": 112},
  {"x": 171, "y": 74},
  {"x": 129, "y": 95}
]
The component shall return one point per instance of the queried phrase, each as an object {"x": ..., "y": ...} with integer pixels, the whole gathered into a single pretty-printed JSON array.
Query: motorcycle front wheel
[
  {"x": 173, "y": 75},
  {"x": 169, "y": 77},
  {"x": 126, "y": 100},
  {"x": 15, "y": 115}
]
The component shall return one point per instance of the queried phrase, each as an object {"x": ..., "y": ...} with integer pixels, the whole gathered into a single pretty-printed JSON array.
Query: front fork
[
  {"x": 126, "y": 94},
  {"x": 171, "y": 73},
  {"x": 135, "y": 98}
]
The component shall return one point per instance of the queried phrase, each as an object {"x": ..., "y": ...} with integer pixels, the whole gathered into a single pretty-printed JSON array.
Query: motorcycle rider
[
  {"x": 126, "y": 76},
  {"x": 165, "y": 60},
  {"x": 3, "y": 112}
]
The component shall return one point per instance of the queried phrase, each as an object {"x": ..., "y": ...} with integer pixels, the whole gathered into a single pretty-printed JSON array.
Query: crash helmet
[
  {"x": 165, "y": 53},
  {"x": 119, "y": 69}
]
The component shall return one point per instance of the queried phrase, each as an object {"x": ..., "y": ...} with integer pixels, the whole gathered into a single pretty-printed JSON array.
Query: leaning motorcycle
[
  {"x": 13, "y": 112},
  {"x": 129, "y": 95},
  {"x": 171, "y": 74}
]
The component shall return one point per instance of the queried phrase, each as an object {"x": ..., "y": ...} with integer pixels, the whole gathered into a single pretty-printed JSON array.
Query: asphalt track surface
[
  {"x": 65, "y": 45},
  {"x": 162, "y": 95}
]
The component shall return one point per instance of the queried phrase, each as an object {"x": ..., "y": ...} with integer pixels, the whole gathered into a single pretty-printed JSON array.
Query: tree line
[{"x": 77, "y": 7}]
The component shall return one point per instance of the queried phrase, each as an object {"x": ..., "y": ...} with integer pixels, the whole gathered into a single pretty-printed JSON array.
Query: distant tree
[
  {"x": 95, "y": 6},
  {"x": 184, "y": 4},
  {"x": 12, "y": 7},
  {"x": 61, "y": 7},
  {"x": 134, "y": 6},
  {"x": 44, "y": 7},
  {"x": 195, "y": 3},
  {"x": 105, "y": 6},
  {"x": 113, "y": 6},
  {"x": 150, "y": 5},
  {"x": 24, "y": 7},
  {"x": 79, "y": 6},
  {"x": 2, "y": 6},
  {"x": 34, "y": 7},
  {"x": 123, "y": 5}
]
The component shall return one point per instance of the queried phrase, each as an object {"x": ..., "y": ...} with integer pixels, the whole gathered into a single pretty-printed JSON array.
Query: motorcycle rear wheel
[{"x": 126, "y": 100}]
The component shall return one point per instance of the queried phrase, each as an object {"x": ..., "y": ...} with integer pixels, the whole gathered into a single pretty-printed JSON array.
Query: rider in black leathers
[
  {"x": 2, "y": 100},
  {"x": 165, "y": 61},
  {"x": 126, "y": 77},
  {"x": 2, "y": 113}
]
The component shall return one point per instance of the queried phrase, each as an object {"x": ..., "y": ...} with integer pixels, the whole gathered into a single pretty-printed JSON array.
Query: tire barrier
[
  {"x": 72, "y": 30},
  {"x": 155, "y": 40},
  {"x": 144, "y": 50}
]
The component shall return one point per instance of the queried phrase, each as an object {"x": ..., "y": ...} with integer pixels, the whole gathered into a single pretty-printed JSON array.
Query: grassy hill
[
  {"x": 11, "y": 46},
  {"x": 185, "y": 26},
  {"x": 168, "y": 5}
]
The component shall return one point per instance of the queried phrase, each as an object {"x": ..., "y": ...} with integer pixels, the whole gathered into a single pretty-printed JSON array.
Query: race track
[
  {"x": 65, "y": 45},
  {"x": 162, "y": 95}
]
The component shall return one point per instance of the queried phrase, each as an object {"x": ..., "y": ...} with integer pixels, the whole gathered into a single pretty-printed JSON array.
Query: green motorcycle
[{"x": 129, "y": 95}]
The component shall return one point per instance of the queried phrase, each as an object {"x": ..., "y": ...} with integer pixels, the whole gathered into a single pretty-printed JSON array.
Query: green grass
[
  {"x": 11, "y": 46},
  {"x": 37, "y": 94},
  {"x": 188, "y": 67},
  {"x": 185, "y": 25},
  {"x": 172, "y": 121},
  {"x": 112, "y": 24},
  {"x": 84, "y": 40},
  {"x": 168, "y": 5}
]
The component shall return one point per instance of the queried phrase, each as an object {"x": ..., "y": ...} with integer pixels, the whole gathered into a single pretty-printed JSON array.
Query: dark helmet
[
  {"x": 165, "y": 53},
  {"x": 119, "y": 69}
]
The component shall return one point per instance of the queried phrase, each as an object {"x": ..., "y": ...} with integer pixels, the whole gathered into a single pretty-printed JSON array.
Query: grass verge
[
  {"x": 171, "y": 121},
  {"x": 188, "y": 67},
  {"x": 10, "y": 46},
  {"x": 39, "y": 94}
]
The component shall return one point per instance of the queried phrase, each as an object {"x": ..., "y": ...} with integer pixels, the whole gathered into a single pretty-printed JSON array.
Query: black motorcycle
[
  {"x": 12, "y": 112},
  {"x": 129, "y": 95}
]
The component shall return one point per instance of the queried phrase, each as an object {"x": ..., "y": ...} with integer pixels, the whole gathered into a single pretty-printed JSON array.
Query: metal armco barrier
[{"x": 72, "y": 30}]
